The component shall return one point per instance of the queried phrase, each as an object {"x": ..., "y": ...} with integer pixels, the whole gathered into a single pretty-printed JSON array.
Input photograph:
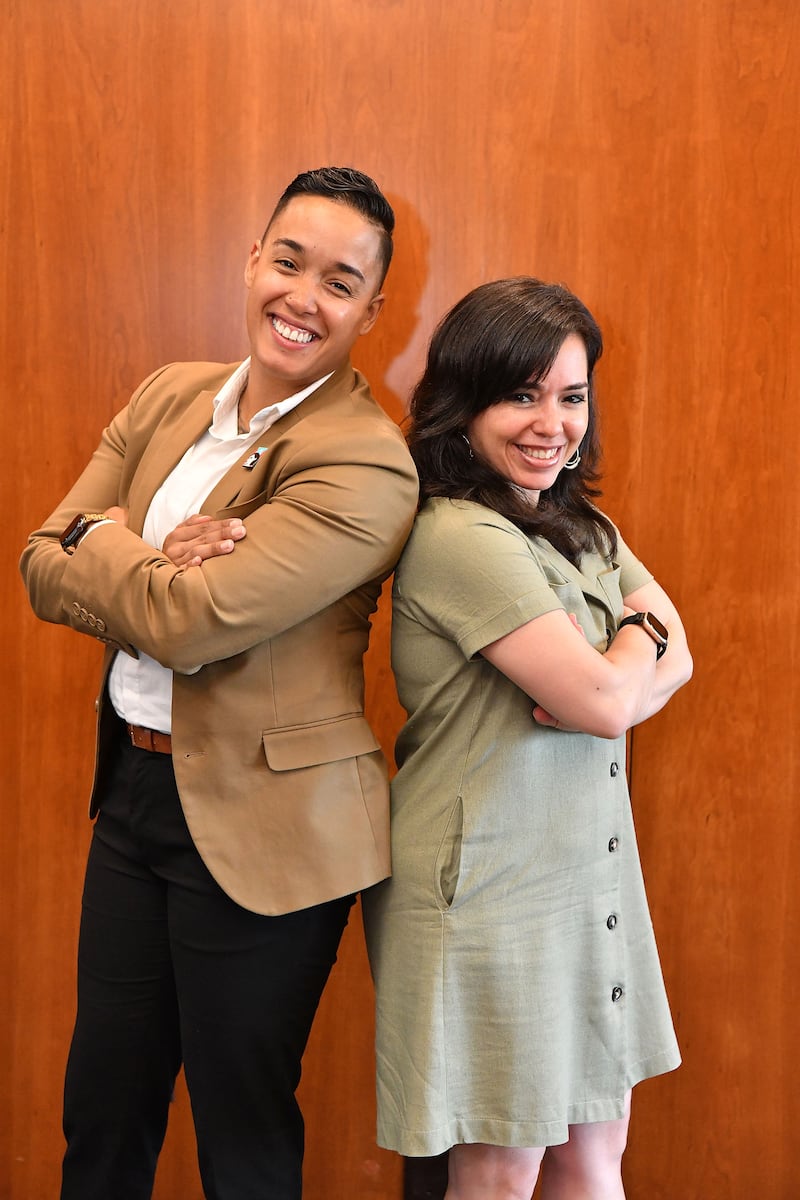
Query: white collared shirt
[{"x": 140, "y": 688}]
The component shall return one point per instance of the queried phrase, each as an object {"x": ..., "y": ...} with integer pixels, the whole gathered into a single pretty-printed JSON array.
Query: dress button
[
  {"x": 614, "y": 770},
  {"x": 616, "y": 994},
  {"x": 612, "y": 921},
  {"x": 613, "y": 844}
]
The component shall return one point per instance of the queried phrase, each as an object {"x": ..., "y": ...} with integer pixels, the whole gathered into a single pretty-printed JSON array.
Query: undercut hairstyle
[
  {"x": 346, "y": 185},
  {"x": 500, "y": 337}
]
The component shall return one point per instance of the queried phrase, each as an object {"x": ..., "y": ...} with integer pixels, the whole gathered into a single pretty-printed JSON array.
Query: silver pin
[{"x": 250, "y": 462}]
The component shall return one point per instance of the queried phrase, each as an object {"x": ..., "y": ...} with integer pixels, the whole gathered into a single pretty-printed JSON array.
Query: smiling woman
[
  {"x": 229, "y": 554},
  {"x": 529, "y": 437},
  {"x": 519, "y": 992},
  {"x": 314, "y": 287}
]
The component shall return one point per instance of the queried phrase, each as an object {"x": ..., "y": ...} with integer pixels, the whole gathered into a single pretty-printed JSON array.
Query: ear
[
  {"x": 252, "y": 263},
  {"x": 373, "y": 310}
]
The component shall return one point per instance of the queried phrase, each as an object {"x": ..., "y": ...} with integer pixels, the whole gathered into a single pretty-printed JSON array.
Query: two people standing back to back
[{"x": 228, "y": 542}]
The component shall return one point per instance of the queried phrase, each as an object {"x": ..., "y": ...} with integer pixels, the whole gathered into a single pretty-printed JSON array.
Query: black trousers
[{"x": 171, "y": 971}]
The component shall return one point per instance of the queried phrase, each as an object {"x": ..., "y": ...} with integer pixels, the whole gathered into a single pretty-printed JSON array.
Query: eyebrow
[
  {"x": 571, "y": 387},
  {"x": 345, "y": 268}
]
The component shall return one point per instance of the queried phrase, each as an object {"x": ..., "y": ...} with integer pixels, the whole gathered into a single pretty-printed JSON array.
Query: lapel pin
[{"x": 250, "y": 462}]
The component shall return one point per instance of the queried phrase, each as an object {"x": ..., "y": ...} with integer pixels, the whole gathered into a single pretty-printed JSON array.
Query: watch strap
[
  {"x": 77, "y": 528},
  {"x": 652, "y": 627}
]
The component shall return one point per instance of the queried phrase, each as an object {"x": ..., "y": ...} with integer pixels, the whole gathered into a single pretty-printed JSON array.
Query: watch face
[
  {"x": 72, "y": 531},
  {"x": 657, "y": 626},
  {"x": 77, "y": 527}
]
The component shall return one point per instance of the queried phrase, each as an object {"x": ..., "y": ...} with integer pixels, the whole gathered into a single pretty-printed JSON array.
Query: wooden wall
[{"x": 646, "y": 154}]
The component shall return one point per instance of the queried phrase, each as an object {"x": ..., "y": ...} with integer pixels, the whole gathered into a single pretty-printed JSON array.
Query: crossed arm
[
  {"x": 325, "y": 532},
  {"x": 575, "y": 687},
  {"x": 196, "y": 539},
  {"x": 572, "y": 685}
]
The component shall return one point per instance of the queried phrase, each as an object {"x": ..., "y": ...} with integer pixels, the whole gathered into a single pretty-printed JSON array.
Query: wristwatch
[
  {"x": 77, "y": 528},
  {"x": 650, "y": 624}
]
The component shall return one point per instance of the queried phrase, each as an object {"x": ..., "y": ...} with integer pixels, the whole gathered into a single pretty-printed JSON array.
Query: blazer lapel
[
  {"x": 242, "y": 483},
  {"x": 180, "y": 429}
]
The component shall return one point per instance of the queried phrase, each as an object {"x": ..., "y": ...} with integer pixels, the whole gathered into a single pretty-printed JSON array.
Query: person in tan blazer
[{"x": 228, "y": 542}]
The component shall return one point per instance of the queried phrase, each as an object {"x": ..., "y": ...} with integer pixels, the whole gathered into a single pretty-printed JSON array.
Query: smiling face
[
  {"x": 314, "y": 288},
  {"x": 528, "y": 436}
]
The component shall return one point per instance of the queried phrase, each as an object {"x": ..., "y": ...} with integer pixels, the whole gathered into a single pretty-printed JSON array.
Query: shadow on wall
[{"x": 393, "y": 355}]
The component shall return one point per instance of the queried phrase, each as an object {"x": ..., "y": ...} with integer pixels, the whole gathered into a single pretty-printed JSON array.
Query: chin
[{"x": 536, "y": 485}]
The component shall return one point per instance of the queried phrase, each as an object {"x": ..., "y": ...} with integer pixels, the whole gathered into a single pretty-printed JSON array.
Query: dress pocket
[{"x": 448, "y": 860}]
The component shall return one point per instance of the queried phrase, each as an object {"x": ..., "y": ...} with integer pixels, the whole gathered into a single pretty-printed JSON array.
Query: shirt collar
[{"x": 225, "y": 424}]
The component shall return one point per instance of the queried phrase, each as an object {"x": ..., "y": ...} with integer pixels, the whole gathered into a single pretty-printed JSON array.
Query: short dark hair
[
  {"x": 348, "y": 186},
  {"x": 499, "y": 337}
]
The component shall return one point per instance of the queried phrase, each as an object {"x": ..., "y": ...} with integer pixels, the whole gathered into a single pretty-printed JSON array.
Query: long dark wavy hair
[{"x": 501, "y": 336}]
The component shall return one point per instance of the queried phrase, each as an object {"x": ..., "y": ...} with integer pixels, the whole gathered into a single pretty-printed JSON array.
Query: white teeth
[
  {"x": 293, "y": 335},
  {"x": 530, "y": 452}
]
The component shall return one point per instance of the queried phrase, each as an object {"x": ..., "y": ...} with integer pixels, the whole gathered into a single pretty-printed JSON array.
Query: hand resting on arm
[
  {"x": 200, "y": 537},
  {"x": 197, "y": 538}
]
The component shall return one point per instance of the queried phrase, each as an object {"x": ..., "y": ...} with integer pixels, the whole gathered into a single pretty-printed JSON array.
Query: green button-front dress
[{"x": 518, "y": 984}]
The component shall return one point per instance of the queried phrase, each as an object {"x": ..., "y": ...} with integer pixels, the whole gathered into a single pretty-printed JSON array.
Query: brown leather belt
[{"x": 150, "y": 739}]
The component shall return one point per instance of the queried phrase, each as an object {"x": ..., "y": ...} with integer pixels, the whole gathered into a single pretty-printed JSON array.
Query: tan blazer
[{"x": 281, "y": 779}]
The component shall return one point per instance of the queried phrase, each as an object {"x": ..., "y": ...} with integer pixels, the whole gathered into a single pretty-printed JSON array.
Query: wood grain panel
[
  {"x": 643, "y": 154},
  {"x": 715, "y": 778}
]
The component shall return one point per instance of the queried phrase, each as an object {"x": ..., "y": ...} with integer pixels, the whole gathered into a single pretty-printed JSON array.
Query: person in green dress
[{"x": 519, "y": 991}]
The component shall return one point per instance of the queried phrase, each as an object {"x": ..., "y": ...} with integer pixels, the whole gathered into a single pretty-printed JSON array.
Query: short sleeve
[
  {"x": 633, "y": 574},
  {"x": 470, "y": 575}
]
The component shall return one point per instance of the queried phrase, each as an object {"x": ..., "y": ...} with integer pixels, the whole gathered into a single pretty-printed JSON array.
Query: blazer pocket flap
[{"x": 310, "y": 745}]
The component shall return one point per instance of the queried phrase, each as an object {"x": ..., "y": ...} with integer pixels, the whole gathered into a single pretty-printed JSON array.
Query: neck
[{"x": 260, "y": 392}]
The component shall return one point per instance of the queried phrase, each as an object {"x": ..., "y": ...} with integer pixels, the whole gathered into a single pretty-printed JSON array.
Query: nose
[
  {"x": 546, "y": 418},
  {"x": 302, "y": 296}
]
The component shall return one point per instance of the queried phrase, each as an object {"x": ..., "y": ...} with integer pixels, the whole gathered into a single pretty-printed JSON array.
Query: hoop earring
[
  {"x": 466, "y": 439},
  {"x": 572, "y": 461}
]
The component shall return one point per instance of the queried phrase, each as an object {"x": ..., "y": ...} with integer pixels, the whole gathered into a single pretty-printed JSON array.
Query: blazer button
[
  {"x": 100, "y": 625},
  {"x": 76, "y": 608},
  {"x": 616, "y": 994},
  {"x": 614, "y": 770},
  {"x": 84, "y": 615},
  {"x": 612, "y": 921},
  {"x": 613, "y": 844}
]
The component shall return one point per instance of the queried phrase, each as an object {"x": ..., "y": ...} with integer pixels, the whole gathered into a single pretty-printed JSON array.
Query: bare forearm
[
  {"x": 574, "y": 686},
  {"x": 674, "y": 668},
  {"x": 672, "y": 672}
]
